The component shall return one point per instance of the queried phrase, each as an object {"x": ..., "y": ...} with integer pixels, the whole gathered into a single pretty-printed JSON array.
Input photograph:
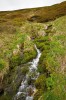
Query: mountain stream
[{"x": 27, "y": 88}]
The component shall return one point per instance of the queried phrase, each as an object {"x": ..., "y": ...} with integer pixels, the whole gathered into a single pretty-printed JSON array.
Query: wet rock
[
  {"x": 29, "y": 98},
  {"x": 30, "y": 90},
  {"x": 20, "y": 96},
  {"x": 22, "y": 88}
]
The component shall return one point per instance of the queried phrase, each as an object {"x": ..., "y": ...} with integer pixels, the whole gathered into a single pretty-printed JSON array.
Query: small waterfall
[{"x": 27, "y": 88}]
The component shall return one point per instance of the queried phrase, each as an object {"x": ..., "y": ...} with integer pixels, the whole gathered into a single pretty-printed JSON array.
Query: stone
[
  {"x": 15, "y": 52},
  {"x": 29, "y": 98},
  {"x": 41, "y": 33},
  {"x": 46, "y": 27},
  {"x": 30, "y": 90},
  {"x": 21, "y": 96}
]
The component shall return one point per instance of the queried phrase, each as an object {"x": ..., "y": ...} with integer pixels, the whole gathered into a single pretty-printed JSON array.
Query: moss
[
  {"x": 15, "y": 61},
  {"x": 53, "y": 50},
  {"x": 28, "y": 56},
  {"x": 3, "y": 64},
  {"x": 25, "y": 70},
  {"x": 41, "y": 82},
  {"x": 6, "y": 97}
]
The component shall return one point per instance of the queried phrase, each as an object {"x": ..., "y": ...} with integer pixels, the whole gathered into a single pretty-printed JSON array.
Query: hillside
[
  {"x": 42, "y": 14},
  {"x": 19, "y": 31}
]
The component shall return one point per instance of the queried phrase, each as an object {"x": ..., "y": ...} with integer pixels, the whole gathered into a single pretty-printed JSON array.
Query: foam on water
[{"x": 24, "y": 84}]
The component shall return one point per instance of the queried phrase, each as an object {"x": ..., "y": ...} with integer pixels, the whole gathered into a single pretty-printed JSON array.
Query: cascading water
[{"x": 27, "y": 88}]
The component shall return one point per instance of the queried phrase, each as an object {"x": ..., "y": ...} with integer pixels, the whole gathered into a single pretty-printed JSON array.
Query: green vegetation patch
[
  {"x": 2, "y": 64},
  {"x": 53, "y": 48}
]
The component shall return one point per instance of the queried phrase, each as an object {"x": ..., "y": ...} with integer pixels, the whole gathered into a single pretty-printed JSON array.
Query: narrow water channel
[{"x": 27, "y": 88}]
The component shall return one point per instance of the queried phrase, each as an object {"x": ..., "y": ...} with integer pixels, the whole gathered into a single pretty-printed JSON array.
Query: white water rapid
[{"x": 27, "y": 88}]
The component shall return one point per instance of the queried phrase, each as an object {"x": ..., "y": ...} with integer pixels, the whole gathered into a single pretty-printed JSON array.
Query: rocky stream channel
[{"x": 27, "y": 89}]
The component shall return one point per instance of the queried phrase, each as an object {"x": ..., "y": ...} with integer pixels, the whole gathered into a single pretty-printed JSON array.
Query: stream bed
[{"x": 27, "y": 88}]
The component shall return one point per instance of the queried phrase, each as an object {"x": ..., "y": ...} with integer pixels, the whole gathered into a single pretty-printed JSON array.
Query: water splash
[{"x": 27, "y": 87}]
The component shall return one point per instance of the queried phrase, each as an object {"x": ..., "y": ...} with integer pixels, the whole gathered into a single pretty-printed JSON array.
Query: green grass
[
  {"x": 2, "y": 64},
  {"x": 19, "y": 30},
  {"x": 60, "y": 25},
  {"x": 11, "y": 24},
  {"x": 53, "y": 48}
]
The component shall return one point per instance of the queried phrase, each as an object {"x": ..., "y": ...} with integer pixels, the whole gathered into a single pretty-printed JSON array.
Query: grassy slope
[
  {"x": 14, "y": 26},
  {"x": 42, "y": 14},
  {"x": 52, "y": 65},
  {"x": 10, "y": 23}
]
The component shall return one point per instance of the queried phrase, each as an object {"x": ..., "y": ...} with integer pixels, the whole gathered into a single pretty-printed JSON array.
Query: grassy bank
[
  {"x": 52, "y": 65},
  {"x": 16, "y": 50}
]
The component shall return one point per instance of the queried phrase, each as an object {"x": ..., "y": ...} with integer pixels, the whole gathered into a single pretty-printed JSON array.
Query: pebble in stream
[{"x": 27, "y": 87}]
